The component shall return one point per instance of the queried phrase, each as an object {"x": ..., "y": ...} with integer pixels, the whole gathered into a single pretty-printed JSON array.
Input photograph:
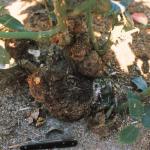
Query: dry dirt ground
[{"x": 16, "y": 102}]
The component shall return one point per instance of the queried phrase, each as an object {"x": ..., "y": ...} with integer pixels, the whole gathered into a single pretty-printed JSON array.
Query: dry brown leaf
[{"x": 40, "y": 121}]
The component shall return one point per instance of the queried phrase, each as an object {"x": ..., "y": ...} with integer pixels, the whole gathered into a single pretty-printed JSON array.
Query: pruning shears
[{"x": 49, "y": 144}]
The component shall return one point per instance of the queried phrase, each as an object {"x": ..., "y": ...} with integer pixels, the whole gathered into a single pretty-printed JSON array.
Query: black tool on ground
[{"x": 50, "y": 144}]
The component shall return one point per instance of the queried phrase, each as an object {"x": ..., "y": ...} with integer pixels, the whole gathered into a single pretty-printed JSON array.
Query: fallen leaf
[
  {"x": 140, "y": 18},
  {"x": 54, "y": 130}
]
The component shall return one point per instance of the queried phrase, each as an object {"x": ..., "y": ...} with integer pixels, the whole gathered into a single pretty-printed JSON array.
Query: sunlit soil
[
  {"x": 124, "y": 55},
  {"x": 144, "y": 2},
  {"x": 15, "y": 9}
]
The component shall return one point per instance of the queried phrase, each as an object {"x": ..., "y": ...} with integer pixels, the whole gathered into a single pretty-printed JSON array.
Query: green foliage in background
[
  {"x": 128, "y": 135},
  {"x": 135, "y": 105},
  {"x": 138, "y": 111},
  {"x": 11, "y": 22}
]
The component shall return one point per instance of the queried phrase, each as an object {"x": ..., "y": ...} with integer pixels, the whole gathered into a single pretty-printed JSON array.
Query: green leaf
[
  {"x": 146, "y": 117},
  {"x": 140, "y": 83},
  {"x": 147, "y": 109},
  {"x": 136, "y": 108},
  {"x": 128, "y": 135},
  {"x": 146, "y": 92},
  {"x": 5, "y": 62},
  {"x": 11, "y": 22}
]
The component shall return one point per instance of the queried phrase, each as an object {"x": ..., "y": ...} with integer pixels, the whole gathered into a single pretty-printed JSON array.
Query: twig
[
  {"x": 83, "y": 7},
  {"x": 26, "y": 108},
  {"x": 60, "y": 12},
  {"x": 90, "y": 28},
  {"x": 15, "y": 146}
]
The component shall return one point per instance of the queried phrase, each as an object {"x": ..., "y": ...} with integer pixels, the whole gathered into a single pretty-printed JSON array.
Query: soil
[{"x": 65, "y": 93}]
